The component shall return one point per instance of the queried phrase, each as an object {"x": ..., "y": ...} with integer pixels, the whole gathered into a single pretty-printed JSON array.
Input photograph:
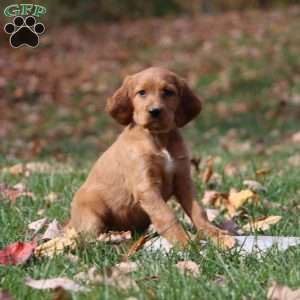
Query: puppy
[{"x": 129, "y": 185}]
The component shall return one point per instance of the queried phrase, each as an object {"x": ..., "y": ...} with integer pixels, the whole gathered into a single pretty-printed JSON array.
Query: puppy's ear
[
  {"x": 119, "y": 106},
  {"x": 189, "y": 106}
]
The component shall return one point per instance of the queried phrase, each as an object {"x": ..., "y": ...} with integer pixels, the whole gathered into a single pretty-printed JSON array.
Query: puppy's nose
[{"x": 154, "y": 112}]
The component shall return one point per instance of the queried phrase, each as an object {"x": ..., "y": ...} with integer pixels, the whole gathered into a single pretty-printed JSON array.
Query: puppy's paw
[{"x": 225, "y": 241}]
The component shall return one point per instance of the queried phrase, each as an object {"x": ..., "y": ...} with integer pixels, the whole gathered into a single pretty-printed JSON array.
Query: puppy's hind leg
[{"x": 85, "y": 218}]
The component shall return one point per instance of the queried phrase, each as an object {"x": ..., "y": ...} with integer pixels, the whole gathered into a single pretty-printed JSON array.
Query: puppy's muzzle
[{"x": 155, "y": 112}]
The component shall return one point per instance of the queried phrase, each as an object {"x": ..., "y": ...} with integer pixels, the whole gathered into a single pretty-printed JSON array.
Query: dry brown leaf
[
  {"x": 53, "y": 231},
  {"x": 254, "y": 186},
  {"x": 188, "y": 267},
  {"x": 263, "y": 223},
  {"x": 282, "y": 292},
  {"x": 59, "y": 244},
  {"x": 237, "y": 199},
  {"x": 138, "y": 244},
  {"x": 263, "y": 172},
  {"x": 17, "y": 169},
  {"x": 231, "y": 227},
  {"x": 54, "y": 283},
  {"x": 115, "y": 236},
  {"x": 37, "y": 225},
  {"x": 213, "y": 198},
  {"x": 208, "y": 172},
  {"x": 116, "y": 276}
]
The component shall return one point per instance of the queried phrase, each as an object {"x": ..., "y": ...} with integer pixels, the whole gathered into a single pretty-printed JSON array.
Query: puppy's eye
[
  {"x": 168, "y": 93},
  {"x": 142, "y": 93}
]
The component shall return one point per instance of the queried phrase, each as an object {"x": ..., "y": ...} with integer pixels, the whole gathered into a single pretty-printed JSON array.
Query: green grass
[{"x": 264, "y": 124}]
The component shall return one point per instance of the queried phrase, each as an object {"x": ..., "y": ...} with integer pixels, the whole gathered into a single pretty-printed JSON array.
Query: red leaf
[
  {"x": 17, "y": 253},
  {"x": 12, "y": 193}
]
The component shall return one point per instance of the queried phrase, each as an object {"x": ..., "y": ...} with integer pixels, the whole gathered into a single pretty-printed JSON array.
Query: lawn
[{"x": 247, "y": 68}]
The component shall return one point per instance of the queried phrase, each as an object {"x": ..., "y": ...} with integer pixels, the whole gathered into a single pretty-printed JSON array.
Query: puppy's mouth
[{"x": 157, "y": 125}]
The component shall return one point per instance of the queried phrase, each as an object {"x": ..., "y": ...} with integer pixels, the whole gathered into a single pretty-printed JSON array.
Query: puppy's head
[{"x": 156, "y": 99}]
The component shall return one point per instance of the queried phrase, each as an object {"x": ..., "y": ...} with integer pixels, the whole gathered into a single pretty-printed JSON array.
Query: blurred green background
[{"x": 112, "y": 10}]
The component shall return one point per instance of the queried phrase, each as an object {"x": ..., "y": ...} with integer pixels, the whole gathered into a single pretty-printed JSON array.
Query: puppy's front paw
[{"x": 225, "y": 241}]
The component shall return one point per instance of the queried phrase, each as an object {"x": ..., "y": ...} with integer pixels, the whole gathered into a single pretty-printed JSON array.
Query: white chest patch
[{"x": 169, "y": 162}]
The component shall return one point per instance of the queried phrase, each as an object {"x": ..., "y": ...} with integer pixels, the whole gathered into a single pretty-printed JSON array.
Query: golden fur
[{"x": 129, "y": 185}]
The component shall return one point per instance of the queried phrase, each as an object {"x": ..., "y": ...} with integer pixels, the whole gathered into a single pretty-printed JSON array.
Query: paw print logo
[{"x": 24, "y": 32}]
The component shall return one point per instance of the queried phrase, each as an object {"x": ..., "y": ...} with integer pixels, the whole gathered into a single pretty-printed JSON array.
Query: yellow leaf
[
  {"x": 238, "y": 199},
  {"x": 262, "y": 223},
  {"x": 59, "y": 244}
]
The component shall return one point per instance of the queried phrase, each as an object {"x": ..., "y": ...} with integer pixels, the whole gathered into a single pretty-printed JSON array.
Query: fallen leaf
[
  {"x": 30, "y": 167},
  {"x": 212, "y": 214},
  {"x": 231, "y": 227},
  {"x": 125, "y": 267},
  {"x": 53, "y": 231},
  {"x": 115, "y": 236},
  {"x": 231, "y": 170},
  {"x": 237, "y": 199},
  {"x": 39, "y": 167},
  {"x": 254, "y": 186},
  {"x": 51, "y": 197},
  {"x": 294, "y": 160},
  {"x": 263, "y": 223},
  {"x": 116, "y": 276},
  {"x": 208, "y": 172},
  {"x": 213, "y": 198},
  {"x": 38, "y": 224},
  {"x": 263, "y": 172},
  {"x": 282, "y": 292},
  {"x": 232, "y": 201},
  {"x": 17, "y": 169},
  {"x": 59, "y": 244},
  {"x": 13, "y": 193},
  {"x": 17, "y": 253},
  {"x": 138, "y": 244},
  {"x": 72, "y": 258},
  {"x": 296, "y": 137},
  {"x": 220, "y": 280},
  {"x": 189, "y": 267},
  {"x": 5, "y": 295},
  {"x": 54, "y": 283}
]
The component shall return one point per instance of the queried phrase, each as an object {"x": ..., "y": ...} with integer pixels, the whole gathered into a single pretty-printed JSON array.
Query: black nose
[{"x": 154, "y": 112}]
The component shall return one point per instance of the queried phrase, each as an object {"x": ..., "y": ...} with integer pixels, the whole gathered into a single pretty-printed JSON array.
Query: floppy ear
[
  {"x": 189, "y": 106},
  {"x": 119, "y": 106}
]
